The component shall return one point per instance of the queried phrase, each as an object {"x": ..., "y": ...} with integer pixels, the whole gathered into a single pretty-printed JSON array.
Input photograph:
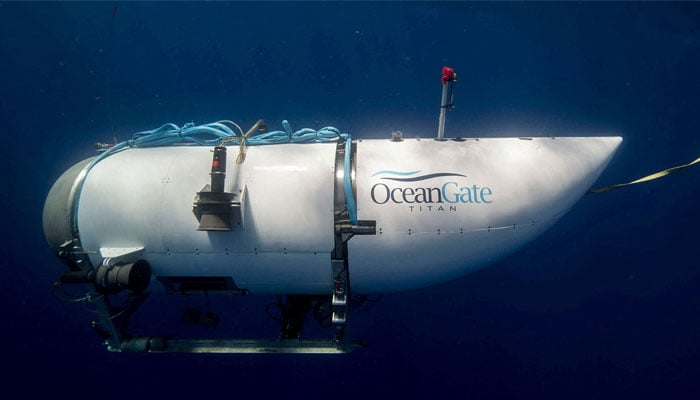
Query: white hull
[{"x": 489, "y": 197}]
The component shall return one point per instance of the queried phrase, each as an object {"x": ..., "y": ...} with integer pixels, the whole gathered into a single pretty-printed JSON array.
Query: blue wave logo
[
  {"x": 407, "y": 176},
  {"x": 447, "y": 192}
]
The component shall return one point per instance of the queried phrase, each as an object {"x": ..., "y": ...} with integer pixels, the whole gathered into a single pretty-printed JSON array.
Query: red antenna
[{"x": 448, "y": 77}]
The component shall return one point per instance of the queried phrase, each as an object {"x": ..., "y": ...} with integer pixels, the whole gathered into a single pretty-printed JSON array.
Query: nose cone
[
  {"x": 444, "y": 209},
  {"x": 571, "y": 166},
  {"x": 58, "y": 207},
  {"x": 587, "y": 158}
]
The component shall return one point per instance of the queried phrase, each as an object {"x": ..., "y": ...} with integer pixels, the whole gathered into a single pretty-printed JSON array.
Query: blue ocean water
[{"x": 604, "y": 305}]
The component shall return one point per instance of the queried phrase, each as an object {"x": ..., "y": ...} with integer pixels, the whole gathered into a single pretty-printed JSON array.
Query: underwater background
[{"x": 606, "y": 304}]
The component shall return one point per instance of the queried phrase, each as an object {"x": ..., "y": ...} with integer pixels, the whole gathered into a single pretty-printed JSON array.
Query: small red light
[{"x": 448, "y": 74}]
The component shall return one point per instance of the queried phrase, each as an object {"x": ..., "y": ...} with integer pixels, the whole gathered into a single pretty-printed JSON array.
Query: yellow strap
[{"x": 647, "y": 178}]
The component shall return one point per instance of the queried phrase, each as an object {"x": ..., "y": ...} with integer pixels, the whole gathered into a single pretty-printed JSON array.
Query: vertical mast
[{"x": 448, "y": 76}]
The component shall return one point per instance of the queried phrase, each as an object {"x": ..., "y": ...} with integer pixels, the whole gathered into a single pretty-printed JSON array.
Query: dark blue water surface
[{"x": 604, "y": 305}]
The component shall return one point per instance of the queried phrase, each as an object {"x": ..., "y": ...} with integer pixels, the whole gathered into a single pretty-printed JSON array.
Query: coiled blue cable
[{"x": 216, "y": 133}]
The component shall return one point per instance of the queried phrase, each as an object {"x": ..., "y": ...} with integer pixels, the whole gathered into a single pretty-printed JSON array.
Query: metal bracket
[
  {"x": 115, "y": 255},
  {"x": 344, "y": 230}
]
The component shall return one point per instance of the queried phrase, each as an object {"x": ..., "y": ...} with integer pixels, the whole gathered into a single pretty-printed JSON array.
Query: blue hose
[{"x": 216, "y": 133}]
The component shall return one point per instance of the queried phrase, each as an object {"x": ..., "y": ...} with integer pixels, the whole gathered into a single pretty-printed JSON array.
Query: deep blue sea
[{"x": 606, "y": 304}]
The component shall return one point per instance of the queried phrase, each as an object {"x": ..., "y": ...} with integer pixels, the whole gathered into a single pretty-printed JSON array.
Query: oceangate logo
[{"x": 442, "y": 191}]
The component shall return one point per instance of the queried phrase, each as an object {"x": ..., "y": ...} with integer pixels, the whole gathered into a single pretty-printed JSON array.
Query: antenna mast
[{"x": 448, "y": 76}]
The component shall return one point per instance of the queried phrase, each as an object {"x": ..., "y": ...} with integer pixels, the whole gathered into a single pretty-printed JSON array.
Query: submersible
[{"x": 314, "y": 215}]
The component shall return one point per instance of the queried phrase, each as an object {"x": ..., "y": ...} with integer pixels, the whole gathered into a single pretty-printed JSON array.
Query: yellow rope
[{"x": 647, "y": 178}]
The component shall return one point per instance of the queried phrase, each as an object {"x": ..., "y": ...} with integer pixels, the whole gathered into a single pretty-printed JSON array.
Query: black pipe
[{"x": 113, "y": 279}]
